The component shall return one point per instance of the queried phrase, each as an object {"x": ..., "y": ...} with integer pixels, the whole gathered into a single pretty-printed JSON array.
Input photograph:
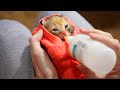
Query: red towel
[{"x": 58, "y": 51}]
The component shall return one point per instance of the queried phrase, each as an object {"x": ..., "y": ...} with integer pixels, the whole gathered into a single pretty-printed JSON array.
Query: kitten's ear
[
  {"x": 41, "y": 22},
  {"x": 61, "y": 15}
]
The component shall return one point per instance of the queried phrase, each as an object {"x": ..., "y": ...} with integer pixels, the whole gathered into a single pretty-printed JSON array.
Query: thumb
[
  {"x": 82, "y": 68},
  {"x": 46, "y": 42},
  {"x": 38, "y": 35},
  {"x": 87, "y": 72}
]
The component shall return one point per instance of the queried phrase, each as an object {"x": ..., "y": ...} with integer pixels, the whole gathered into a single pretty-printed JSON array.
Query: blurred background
[{"x": 108, "y": 21}]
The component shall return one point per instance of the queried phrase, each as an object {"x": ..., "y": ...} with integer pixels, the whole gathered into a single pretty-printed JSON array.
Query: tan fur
[{"x": 57, "y": 26}]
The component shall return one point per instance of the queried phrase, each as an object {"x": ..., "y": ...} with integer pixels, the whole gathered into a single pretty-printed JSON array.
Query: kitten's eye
[
  {"x": 70, "y": 29},
  {"x": 66, "y": 26},
  {"x": 55, "y": 32},
  {"x": 55, "y": 29}
]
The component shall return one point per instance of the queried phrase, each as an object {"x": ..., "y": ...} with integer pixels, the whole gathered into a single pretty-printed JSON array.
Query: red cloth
[{"x": 58, "y": 51}]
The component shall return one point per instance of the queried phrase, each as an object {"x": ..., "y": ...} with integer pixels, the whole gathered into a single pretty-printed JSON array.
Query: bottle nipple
[{"x": 68, "y": 39}]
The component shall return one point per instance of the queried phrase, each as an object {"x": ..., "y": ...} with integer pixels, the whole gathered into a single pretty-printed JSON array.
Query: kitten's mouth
[{"x": 62, "y": 36}]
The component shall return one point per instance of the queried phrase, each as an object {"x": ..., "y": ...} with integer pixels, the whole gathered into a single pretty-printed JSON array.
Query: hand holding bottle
[{"x": 108, "y": 40}]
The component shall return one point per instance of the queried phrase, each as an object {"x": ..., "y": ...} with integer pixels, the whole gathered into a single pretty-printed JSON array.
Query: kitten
[{"x": 58, "y": 26}]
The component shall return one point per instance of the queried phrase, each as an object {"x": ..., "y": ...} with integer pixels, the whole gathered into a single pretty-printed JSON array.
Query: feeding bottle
[{"x": 96, "y": 56}]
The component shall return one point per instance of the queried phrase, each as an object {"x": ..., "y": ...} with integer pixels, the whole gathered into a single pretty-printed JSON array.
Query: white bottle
[{"x": 96, "y": 56}]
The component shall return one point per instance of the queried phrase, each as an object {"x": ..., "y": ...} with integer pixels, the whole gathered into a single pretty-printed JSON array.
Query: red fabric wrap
[{"x": 58, "y": 51}]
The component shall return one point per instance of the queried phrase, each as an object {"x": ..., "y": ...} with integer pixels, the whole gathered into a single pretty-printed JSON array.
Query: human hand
[
  {"x": 107, "y": 39},
  {"x": 44, "y": 69}
]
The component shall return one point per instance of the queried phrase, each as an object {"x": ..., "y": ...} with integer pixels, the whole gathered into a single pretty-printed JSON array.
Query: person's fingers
[
  {"x": 87, "y": 72},
  {"x": 36, "y": 69},
  {"x": 115, "y": 74},
  {"x": 38, "y": 35},
  {"x": 99, "y": 36},
  {"x": 112, "y": 43},
  {"x": 109, "y": 34},
  {"x": 35, "y": 51},
  {"x": 41, "y": 62},
  {"x": 35, "y": 42},
  {"x": 96, "y": 31},
  {"x": 82, "y": 68},
  {"x": 46, "y": 42},
  {"x": 46, "y": 67}
]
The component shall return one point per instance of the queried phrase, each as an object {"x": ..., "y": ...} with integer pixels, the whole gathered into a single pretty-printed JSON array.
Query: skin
[{"x": 44, "y": 68}]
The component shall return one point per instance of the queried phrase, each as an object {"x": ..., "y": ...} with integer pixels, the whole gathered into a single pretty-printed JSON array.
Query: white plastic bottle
[{"x": 96, "y": 56}]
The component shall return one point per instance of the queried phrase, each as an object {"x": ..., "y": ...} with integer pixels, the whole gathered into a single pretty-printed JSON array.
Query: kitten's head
[{"x": 58, "y": 25}]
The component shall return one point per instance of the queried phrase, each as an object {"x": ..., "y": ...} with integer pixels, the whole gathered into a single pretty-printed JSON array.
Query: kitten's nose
[{"x": 64, "y": 32}]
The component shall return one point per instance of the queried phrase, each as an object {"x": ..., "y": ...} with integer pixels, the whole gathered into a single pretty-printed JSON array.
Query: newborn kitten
[{"x": 58, "y": 26}]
